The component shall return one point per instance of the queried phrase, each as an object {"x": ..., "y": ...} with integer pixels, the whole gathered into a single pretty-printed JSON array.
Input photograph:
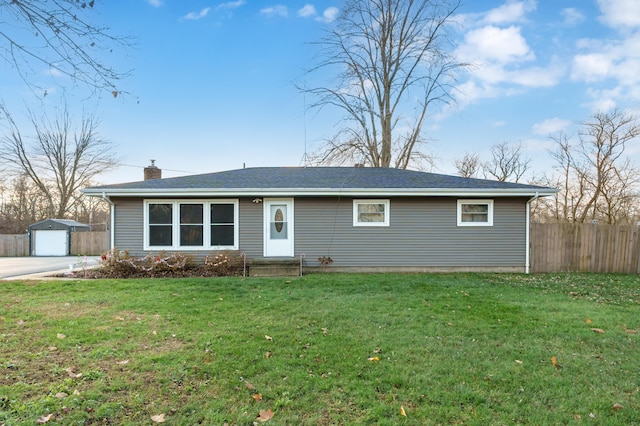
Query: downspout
[
  {"x": 112, "y": 217},
  {"x": 527, "y": 261}
]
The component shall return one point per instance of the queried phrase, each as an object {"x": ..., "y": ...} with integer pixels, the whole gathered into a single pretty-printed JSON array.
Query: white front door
[{"x": 278, "y": 227}]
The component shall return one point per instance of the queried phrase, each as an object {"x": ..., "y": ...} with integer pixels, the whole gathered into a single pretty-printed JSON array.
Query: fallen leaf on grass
[
  {"x": 44, "y": 419},
  {"x": 518, "y": 362},
  {"x": 402, "y": 412},
  {"x": 587, "y": 320},
  {"x": 377, "y": 351},
  {"x": 249, "y": 385},
  {"x": 118, "y": 318},
  {"x": 61, "y": 395},
  {"x": 374, "y": 358},
  {"x": 20, "y": 322},
  {"x": 554, "y": 362},
  {"x": 324, "y": 330},
  {"x": 123, "y": 362},
  {"x": 268, "y": 354},
  {"x": 73, "y": 372},
  {"x": 52, "y": 348},
  {"x": 269, "y": 338},
  {"x": 617, "y": 407},
  {"x": 628, "y": 331},
  {"x": 61, "y": 336},
  {"x": 76, "y": 392},
  {"x": 265, "y": 415},
  {"x": 597, "y": 330},
  {"x": 158, "y": 418},
  {"x": 257, "y": 396}
]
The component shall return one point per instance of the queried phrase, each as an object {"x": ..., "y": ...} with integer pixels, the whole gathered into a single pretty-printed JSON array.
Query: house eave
[{"x": 317, "y": 192}]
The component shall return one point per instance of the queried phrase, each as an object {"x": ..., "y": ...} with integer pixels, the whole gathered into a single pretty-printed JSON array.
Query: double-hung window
[
  {"x": 223, "y": 224},
  {"x": 370, "y": 212},
  {"x": 190, "y": 224},
  {"x": 475, "y": 212},
  {"x": 160, "y": 224}
]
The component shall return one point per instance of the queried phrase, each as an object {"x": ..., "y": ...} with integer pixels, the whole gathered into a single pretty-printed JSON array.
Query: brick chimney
[{"x": 152, "y": 172}]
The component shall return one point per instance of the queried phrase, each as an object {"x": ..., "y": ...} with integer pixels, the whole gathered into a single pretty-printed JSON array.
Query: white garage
[
  {"x": 52, "y": 237},
  {"x": 50, "y": 242}
]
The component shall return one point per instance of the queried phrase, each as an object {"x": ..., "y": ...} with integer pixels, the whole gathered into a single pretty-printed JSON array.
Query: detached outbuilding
[{"x": 52, "y": 237}]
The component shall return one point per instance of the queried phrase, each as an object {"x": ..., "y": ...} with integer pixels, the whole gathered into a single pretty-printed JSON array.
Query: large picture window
[
  {"x": 191, "y": 225},
  {"x": 370, "y": 212},
  {"x": 475, "y": 212}
]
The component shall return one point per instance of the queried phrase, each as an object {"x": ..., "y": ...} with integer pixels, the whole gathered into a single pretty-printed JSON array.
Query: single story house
[{"x": 364, "y": 219}]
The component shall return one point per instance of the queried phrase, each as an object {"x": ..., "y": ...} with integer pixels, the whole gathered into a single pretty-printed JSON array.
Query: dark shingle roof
[{"x": 313, "y": 179}]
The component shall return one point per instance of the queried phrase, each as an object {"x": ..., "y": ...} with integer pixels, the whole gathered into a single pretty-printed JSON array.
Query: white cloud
[
  {"x": 54, "y": 72},
  {"x": 330, "y": 14},
  {"x": 550, "y": 126},
  {"x": 617, "y": 13},
  {"x": 493, "y": 44},
  {"x": 193, "y": 16},
  {"x": 537, "y": 76},
  {"x": 618, "y": 59},
  {"x": 511, "y": 11},
  {"x": 603, "y": 100},
  {"x": 275, "y": 11},
  {"x": 231, "y": 5},
  {"x": 307, "y": 10},
  {"x": 591, "y": 67},
  {"x": 155, "y": 3},
  {"x": 572, "y": 16}
]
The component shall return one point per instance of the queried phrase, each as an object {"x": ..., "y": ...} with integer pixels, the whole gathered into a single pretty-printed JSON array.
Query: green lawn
[{"x": 471, "y": 349}]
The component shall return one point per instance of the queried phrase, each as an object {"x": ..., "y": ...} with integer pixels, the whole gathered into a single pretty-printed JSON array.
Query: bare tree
[
  {"x": 469, "y": 165},
  {"x": 21, "y": 205},
  {"x": 60, "y": 160},
  {"x": 58, "y": 35},
  {"x": 507, "y": 163},
  {"x": 597, "y": 180},
  {"x": 601, "y": 147},
  {"x": 394, "y": 63}
]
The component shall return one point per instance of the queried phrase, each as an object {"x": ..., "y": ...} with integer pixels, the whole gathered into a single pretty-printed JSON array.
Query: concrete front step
[{"x": 273, "y": 267}]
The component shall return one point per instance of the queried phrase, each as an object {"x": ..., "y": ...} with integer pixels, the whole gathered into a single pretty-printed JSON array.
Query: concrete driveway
[{"x": 37, "y": 267}]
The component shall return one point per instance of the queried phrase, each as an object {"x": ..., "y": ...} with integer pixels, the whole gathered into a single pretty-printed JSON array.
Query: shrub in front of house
[{"x": 120, "y": 264}]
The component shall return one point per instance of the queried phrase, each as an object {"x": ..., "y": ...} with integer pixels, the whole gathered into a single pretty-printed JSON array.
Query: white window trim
[
  {"x": 489, "y": 221},
  {"x": 175, "y": 224},
  {"x": 387, "y": 212}
]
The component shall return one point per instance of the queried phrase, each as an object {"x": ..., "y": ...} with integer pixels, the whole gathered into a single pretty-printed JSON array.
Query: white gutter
[
  {"x": 527, "y": 261},
  {"x": 112, "y": 219},
  {"x": 292, "y": 192}
]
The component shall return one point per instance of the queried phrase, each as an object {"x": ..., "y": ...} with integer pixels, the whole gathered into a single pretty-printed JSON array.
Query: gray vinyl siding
[
  {"x": 251, "y": 228},
  {"x": 423, "y": 232},
  {"x": 129, "y": 224}
]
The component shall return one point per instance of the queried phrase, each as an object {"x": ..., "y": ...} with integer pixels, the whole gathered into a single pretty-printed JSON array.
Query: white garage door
[{"x": 50, "y": 243}]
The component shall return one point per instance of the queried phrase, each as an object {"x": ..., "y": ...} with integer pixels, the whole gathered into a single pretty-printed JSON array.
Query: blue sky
[{"x": 212, "y": 85}]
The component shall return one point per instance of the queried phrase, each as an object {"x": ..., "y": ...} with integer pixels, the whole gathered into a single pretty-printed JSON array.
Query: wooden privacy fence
[
  {"x": 89, "y": 243},
  {"x": 14, "y": 245},
  {"x": 584, "y": 247},
  {"x": 82, "y": 243}
]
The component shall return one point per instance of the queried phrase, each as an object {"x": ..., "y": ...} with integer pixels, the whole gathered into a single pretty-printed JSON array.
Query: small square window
[
  {"x": 475, "y": 212},
  {"x": 370, "y": 212}
]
